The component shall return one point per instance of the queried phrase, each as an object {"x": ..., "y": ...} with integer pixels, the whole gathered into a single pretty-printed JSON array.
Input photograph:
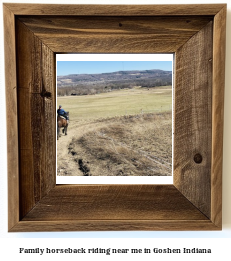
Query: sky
[
  {"x": 95, "y": 67},
  {"x": 103, "y": 63}
]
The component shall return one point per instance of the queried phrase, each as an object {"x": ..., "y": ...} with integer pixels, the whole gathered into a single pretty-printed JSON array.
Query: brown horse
[{"x": 62, "y": 122}]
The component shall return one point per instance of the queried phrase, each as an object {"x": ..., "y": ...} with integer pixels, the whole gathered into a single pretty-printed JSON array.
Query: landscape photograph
[{"x": 119, "y": 118}]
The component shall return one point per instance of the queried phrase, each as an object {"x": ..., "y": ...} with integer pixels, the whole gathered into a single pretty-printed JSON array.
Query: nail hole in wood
[
  {"x": 198, "y": 158},
  {"x": 120, "y": 24}
]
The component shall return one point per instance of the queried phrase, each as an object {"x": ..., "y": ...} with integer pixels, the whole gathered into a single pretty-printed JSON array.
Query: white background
[{"x": 219, "y": 241}]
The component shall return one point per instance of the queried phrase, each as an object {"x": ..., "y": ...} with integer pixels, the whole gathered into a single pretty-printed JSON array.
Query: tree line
[{"x": 89, "y": 89}]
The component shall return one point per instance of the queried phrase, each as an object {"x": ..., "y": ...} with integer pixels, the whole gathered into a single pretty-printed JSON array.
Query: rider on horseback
[
  {"x": 62, "y": 120},
  {"x": 61, "y": 112}
]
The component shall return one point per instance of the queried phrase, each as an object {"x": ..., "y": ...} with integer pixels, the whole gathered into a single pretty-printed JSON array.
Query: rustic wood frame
[{"x": 33, "y": 34}]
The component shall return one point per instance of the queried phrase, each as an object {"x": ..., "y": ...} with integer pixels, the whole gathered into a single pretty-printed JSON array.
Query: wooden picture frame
[{"x": 34, "y": 33}]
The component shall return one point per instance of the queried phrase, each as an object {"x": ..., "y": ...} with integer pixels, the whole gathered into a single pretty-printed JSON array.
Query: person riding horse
[
  {"x": 62, "y": 112},
  {"x": 62, "y": 120}
]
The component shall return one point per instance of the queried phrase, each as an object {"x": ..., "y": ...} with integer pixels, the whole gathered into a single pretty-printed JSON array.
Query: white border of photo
[{"x": 116, "y": 179}]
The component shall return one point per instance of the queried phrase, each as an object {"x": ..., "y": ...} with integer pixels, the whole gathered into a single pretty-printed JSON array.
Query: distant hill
[{"x": 84, "y": 84}]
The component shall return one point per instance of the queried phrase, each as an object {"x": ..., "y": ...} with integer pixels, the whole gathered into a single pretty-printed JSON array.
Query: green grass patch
[{"x": 118, "y": 103}]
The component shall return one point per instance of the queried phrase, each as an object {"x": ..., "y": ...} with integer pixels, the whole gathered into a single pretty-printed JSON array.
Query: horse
[{"x": 62, "y": 122}]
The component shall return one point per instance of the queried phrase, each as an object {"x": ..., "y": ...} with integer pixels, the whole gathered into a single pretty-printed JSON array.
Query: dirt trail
[{"x": 66, "y": 166}]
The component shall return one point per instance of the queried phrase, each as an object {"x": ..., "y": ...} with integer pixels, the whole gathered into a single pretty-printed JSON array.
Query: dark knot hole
[{"x": 198, "y": 158}]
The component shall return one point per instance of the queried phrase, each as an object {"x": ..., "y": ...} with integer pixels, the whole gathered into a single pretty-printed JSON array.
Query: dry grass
[{"x": 136, "y": 145}]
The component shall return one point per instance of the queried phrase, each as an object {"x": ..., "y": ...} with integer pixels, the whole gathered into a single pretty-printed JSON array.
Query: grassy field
[
  {"x": 118, "y": 103},
  {"x": 121, "y": 133},
  {"x": 126, "y": 146}
]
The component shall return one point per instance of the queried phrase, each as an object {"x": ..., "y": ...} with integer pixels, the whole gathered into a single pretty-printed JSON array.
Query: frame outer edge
[
  {"x": 113, "y": 225},
  {"x": 12, "y": 120},
  {"x": 219, "y": 45},
  {"x": 11, "y": 114},
  {"x": 118, "y": 10}
]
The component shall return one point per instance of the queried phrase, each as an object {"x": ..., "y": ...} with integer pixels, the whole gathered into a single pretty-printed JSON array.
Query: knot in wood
[{"x": 198, "y": 158}]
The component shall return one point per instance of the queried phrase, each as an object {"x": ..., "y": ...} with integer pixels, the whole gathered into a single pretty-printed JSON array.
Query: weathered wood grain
[
  {"x": 114, "y": 10},
  {"x": 48, "y": 94},
  {"x": 11, "y": 115},
  {"x": 194, "y": 201},
  {"x": 36, "y": 95},
  {"x": 71, "y": 25},
  {"x": 115, "y": 34},
  {"x": 193, "y": 126},
  {"x": 108, "y": 207},
  {"x": 108, "y": 202},
  {"x": 29, "y": 184},
  {"x": 218, "y": 115},
  {"x": 114, "y": 225}
]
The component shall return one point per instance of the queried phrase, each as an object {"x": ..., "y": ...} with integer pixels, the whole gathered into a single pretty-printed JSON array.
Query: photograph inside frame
[{"x": 114, "y": 118}]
